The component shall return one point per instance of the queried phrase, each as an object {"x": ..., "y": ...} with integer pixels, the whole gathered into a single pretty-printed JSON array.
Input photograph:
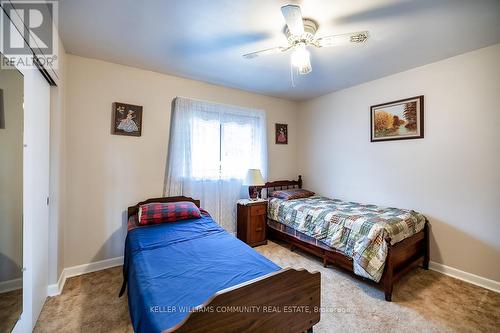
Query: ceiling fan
[{"x": 301, "y": 32}]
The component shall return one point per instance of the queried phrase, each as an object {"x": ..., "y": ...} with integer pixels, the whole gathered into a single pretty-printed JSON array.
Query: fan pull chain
[{"x": 291, "y": 74}]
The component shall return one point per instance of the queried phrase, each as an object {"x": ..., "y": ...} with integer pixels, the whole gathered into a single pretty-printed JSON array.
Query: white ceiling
[{"x": 205, "y": 40}]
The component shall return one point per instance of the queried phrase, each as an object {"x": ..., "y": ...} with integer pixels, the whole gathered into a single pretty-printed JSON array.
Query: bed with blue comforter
[{"x": 173, "y": 267}]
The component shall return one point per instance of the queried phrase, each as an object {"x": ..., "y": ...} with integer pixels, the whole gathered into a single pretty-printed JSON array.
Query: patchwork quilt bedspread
[{"x": 357, "y": 230}]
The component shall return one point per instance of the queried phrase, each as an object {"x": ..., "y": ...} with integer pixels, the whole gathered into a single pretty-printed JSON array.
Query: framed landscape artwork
[
  {"x": 281, "y": 134},
  {"x": 127, "y": 119},
  {"x": 398, "y": 120}
]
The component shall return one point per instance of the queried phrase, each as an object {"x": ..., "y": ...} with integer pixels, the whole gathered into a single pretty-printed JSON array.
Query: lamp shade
[{"x": 254, "y": 178}]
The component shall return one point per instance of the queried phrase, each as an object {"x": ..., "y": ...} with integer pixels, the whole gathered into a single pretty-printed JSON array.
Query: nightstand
[{"x": 252, "y": 218}]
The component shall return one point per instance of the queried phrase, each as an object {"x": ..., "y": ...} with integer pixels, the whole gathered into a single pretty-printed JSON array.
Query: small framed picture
[
  {"x": 127, "y": 119},
  {"x": 281, "y": 134},
  {"x": 398, "y": 120}
]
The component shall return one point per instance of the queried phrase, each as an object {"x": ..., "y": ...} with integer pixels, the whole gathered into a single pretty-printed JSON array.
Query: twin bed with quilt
[
  {"x": 377, "y": 243},
  {"x": 184, "y": 273}
]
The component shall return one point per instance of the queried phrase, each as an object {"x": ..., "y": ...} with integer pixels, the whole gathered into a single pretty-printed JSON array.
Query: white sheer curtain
[{"x": 210, "y": 149}]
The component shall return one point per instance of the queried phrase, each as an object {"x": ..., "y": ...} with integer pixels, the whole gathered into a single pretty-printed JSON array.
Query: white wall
[
  {"x": 11, "y": 176},
  {"x": 107, "y": 173},
  {"x": 452, "y": 175}
]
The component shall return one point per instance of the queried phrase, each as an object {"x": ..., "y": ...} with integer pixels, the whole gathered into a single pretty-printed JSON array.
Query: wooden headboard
[
  {"x": 282, "y": 185},
  {"x": 135, "y": 209}
]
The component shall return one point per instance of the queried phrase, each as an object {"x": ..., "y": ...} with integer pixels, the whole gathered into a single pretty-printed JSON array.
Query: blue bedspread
[{"x": 172, "y": 267}]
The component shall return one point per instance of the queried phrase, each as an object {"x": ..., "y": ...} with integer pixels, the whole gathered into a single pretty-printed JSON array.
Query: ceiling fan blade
[
  {"x": 293, "y": 18},
  {"x": 273, "y": 50},
  {"x": 353, "y": 37}
]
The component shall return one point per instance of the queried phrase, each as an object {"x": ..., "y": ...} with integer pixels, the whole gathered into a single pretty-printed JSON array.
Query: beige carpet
[
  {"x": 11, "y": 304},
  {"x": 425, "y": 301}
]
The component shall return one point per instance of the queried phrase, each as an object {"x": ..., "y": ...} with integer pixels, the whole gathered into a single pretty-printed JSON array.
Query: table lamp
[{"x": 255, "y": 182}]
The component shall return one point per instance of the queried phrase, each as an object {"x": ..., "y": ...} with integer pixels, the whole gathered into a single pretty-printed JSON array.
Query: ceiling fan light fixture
[
  {"x": 301, "y": 59},
  {"x": 300, "y": 33}
]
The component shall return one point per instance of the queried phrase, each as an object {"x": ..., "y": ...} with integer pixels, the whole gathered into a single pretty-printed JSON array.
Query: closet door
[
  {"x": 11, "y": 195},
  {"x": 36, "y": 191}
]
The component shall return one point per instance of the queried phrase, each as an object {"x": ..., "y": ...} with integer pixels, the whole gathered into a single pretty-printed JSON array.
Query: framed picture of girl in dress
[
  {"x": 281, "y": 134},
  {"x": 127, "y": 119}
]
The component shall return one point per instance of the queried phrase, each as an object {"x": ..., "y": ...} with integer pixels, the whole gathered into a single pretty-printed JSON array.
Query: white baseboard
[
  {"x": 56, "y": 289},
  {"x": 93, "y": 267},
  {"x": 10, "y": 285},
  {"x": 464, "y": 276}
]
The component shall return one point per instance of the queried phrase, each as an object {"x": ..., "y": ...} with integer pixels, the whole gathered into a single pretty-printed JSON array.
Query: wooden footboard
[
  {"x": 283, "y": 301},
  {"x": 403, "y": 257}
]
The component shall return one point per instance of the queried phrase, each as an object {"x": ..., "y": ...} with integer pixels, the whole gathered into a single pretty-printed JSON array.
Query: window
[
  {"x": 210, "y": 150},
  {"x": 225, "y": 148}
]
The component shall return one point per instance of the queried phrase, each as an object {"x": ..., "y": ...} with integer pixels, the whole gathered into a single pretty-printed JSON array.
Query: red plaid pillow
[
  {"x": 160, "y": 212},
  {"x": 296, "y": 193}
]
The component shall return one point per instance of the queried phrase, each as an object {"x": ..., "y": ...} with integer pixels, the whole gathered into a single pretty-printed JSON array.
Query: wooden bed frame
[
  {"x": 275, "y": 302},
  {"x": 401, "y": 257}
]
